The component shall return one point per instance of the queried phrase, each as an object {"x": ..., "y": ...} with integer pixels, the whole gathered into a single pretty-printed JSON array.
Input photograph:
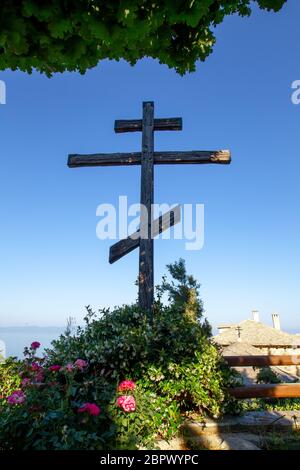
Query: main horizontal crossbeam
[
  {"x": 160, "y": 158},
  {"x": 134, "y": 125},
  {"x": 162, "y": 223}
]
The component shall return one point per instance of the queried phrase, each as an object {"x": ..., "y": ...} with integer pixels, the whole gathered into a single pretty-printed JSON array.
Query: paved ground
[{"x": 244, "y": 432}]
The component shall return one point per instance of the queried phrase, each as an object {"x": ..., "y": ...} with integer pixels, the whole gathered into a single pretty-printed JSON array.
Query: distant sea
[{"x": 16, "y": 338}]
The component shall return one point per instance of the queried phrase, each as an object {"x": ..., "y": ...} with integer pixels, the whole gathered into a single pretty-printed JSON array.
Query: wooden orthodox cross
[
  {"x": 239, "y": 329},
  {"x": 147, "y": 158}
]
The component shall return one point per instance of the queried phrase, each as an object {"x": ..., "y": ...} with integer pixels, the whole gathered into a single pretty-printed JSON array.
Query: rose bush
[{"x": 121, "y": 381}]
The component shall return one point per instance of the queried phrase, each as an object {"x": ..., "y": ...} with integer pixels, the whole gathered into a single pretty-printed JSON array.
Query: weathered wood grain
[
  {"x": 123, "y": 247},
  {"x": 134, "y": 125},
  {"x": 104, "y": 159},
  {"x": 262, "y": 361},
  {"x": 165, "y": 221},
  {"x": 266, "y": 391},
  {"x": 146, "y": 279},
  {"x": 159, "y": 158},
  {"x": 193, "y": 157},
  {"x": 162, "y": 223}
]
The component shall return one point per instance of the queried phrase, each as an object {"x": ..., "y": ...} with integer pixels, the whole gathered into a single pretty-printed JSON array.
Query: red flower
[
  {"x": 126, "y": 403},
  {"x": 35, "y": 367},
  {"x": 35, "y": 345},
  {"x": 55, "y": 368},
  {"x": 89, "y": 408},
  {"x": 126, "y": 385}
]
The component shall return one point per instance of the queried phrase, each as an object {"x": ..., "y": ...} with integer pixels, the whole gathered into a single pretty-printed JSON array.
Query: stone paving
[{"x": 244, "y": 432}]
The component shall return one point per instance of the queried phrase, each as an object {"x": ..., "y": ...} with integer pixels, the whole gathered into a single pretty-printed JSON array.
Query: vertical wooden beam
[{"x": 146, "y": 279}]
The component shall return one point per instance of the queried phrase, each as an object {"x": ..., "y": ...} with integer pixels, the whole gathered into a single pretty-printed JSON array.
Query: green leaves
[
  {"x": 9, "y": 378},
  {"x": 176, "y": 368},
  {"x": 75, "y": 35}
]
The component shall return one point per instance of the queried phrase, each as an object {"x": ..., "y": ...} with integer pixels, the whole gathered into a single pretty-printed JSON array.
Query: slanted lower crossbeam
[{"x": 125, "y": 246}]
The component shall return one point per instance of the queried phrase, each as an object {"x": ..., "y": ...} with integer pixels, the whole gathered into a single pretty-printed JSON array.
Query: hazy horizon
[{"x": 53, "y": 264}]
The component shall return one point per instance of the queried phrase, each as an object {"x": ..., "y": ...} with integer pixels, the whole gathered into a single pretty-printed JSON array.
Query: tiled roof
[
  {"x": 241, "y": 349},
  {"x": 257, "y": 334}
]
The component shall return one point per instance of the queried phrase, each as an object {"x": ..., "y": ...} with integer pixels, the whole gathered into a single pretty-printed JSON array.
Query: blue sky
[{"x": 52, "y": 263}]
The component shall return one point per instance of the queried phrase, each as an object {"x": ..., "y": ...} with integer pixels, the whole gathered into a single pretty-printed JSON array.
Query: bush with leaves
[
  {"x": 55, "y": 408},
  {"x": 266, "y": 375},
  {"x": 56, "y": 36},
  {"x": 9, "y": 377},
  {"x": 175, "y": 368}
]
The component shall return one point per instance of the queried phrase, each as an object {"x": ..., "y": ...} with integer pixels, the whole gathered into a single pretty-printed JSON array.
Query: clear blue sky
[{"x": 52, "y": 263}]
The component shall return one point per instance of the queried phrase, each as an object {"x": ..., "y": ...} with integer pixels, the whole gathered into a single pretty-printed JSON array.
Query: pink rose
[
  {"x": 35, "y": 345},
  {"x": 126, "y": 385},
  {"x": 89, "y": 408},
  {"x": 26, "y": 381},
  {"x": 16, "y": 398},
  {"x": 35, "y": 367},
  {"x": 55, "y": 368},
  {"x": 80, "y": 363},
  {"x": 126, "y": 403},
  {"x": 69, "y": 367},
  {"x": 39, "y": 376}
]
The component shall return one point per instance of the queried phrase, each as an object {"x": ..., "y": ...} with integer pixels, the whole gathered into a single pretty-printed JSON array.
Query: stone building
[{"x": 259, "y": 338}]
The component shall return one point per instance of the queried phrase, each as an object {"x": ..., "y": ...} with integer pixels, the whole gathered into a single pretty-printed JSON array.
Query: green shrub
[
  {"x": 176, "y": 369},
  {"x": 267, "y": 376},
  {"x": 271, "y": 404},
  {"x": 48, "y": 418},
  {"x": 9, "y": 377}
]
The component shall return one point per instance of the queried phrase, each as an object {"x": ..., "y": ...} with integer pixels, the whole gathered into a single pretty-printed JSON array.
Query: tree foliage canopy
[{"x": 60, "y": 35}]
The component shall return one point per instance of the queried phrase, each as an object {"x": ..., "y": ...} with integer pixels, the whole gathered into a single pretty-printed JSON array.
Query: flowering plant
[
  {"x": 16, "y": 398},
  {"x": 126, "y": 385},
  {"x": 90, "y": 408},
  {"x": 54, "y": 402},
  {"x": 54, "y": 368},
  {"x": 126, "y": 403},
  {"x": 80, "y": 364},
  {"x": 62, "y": 410}
]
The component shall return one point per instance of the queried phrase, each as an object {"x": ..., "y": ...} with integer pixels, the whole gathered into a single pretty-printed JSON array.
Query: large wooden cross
[{"x": 147, "y": 158}]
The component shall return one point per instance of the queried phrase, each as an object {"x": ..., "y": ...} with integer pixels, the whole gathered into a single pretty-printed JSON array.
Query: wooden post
[{"x": 146, "y": 279}]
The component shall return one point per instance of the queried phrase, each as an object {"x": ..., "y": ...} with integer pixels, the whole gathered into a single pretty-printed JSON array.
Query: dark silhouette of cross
[{"x": 239, "y": 329}]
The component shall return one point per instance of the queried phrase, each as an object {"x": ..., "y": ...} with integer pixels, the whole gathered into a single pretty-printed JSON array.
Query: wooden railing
[{"x": 284, "y": 390}]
